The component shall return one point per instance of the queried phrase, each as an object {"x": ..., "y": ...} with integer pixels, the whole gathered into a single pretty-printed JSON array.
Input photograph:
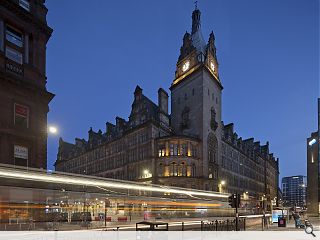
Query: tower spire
[{"x": 196, "y": 24}]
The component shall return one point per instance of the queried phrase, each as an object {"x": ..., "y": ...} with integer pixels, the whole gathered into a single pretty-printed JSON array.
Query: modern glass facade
[{"x": 294, "y": 191}]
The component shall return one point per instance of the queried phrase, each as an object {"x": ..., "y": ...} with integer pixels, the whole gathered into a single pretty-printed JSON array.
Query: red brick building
[{"x": 24, "y": 98}]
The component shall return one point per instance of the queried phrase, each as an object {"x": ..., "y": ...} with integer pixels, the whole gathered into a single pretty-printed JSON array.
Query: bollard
[
  {"x": 182, "y": 226},
  {"x": 216, "y": 225},
  {"x": 227, "y": 224},
  {"x": 201, "y": 227}
]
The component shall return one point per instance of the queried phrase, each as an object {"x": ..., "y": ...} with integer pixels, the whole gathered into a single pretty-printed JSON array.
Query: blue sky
[{"x": 268, "y": 52}]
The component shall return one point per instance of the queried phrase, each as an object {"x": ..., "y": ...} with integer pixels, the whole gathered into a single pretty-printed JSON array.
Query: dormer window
[{"x": 25, "y": 4}]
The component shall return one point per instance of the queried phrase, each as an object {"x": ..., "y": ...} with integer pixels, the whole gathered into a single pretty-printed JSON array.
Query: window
[
  {"x": 160, "y": 170},
  {"x": 182, "y": 169},
  {"x": 14, "y": 55},
  {"x": 14, "y": 36},
  {"x": 194, "y": 151},
  {"x": 21, "y": 115},
  {"x": 193, "y": 92},
  {"x": 25, "y": 4},
  {"x": 171, "y": 149},
  {"x": 193, "y": 173},
  {"x": 184, "y": 149},
  {"x": 185, "y": 117},
  {"x": 189, "y": 171},
  {"x": 20, "y": 155},
  {"x": 175, "y": 150},
  {"x": 173, "y": 169},
  {"x": 162, "y": 151}
]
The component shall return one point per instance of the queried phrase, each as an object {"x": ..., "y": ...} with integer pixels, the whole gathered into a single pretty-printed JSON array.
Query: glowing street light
[
  {"x": 220, "y": 185},
  {"x": 52, "y": 129}
]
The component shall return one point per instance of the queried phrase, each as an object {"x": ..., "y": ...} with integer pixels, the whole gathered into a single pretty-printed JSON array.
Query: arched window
[
  {"x": 183, "y": 169},
  {"x": 173, "y": 169},
  {"x": 193, "y": 171}
]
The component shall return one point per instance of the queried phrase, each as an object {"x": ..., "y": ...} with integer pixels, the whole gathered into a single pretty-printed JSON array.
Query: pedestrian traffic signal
[{"x": 234, "y": 200}]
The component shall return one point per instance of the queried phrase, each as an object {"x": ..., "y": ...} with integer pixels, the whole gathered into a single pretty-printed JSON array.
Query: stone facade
[
  {"x": 191, "y": 147},
  {"x": 313, "y": 174},
  {"x": 24, "y": 98}
]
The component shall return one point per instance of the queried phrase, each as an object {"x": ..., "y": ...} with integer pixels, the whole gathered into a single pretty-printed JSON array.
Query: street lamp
[
  {"x": 52, "y": 130},
  {"x": 221, "y": 184}
]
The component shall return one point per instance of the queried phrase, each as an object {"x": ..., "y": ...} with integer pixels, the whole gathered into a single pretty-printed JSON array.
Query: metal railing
[{"x": 223, "y": 225}]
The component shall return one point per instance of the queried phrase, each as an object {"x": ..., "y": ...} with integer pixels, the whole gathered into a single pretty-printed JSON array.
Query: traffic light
[
  {"x": 238, "y": 200},
  {"x": 231, "y": 200},
  {"x": 234, "y": 200}
]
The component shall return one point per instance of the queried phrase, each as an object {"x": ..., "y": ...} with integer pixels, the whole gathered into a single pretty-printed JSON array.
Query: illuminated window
[
  {"x": 173, "y": 169},
  {"x": 162, "y": 151},
  {"x": 21, "y": 115},
  {"x": 171, "y": 149},
  {"x": 166, "y": 171},
  {"x": 189, "y": 171}
]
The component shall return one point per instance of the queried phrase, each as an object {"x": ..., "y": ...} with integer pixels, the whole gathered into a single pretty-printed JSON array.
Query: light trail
[{"x": 73, "y": 180}]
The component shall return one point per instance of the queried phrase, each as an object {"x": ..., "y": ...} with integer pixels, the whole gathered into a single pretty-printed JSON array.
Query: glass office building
[{"x": 294, "y": 191}]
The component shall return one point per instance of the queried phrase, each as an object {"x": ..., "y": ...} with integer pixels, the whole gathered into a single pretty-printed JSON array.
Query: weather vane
[{"x": 196, "y": 5}]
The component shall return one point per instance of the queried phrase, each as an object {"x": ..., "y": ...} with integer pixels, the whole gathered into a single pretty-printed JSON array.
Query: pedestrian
[{"x": 297, "y": 220}]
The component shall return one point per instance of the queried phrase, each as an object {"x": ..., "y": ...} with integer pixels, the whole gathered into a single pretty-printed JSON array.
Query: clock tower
[{"x": 196, "y": 99}]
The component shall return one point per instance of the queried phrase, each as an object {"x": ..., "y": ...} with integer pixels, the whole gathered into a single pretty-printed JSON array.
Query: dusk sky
[{"x": 268, "y": 51}]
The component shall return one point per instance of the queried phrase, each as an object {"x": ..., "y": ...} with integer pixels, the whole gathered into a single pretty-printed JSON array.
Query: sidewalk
[{"x": 291, "y": 225}]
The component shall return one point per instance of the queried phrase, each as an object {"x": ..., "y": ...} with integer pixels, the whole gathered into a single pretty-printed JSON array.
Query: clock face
[
  {"x": 186, "y": 66},
  {"x": 212, "y": 66}
]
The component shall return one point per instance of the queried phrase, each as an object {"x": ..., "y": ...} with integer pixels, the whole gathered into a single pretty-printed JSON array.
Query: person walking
[{"x": 297, "y": 220}]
